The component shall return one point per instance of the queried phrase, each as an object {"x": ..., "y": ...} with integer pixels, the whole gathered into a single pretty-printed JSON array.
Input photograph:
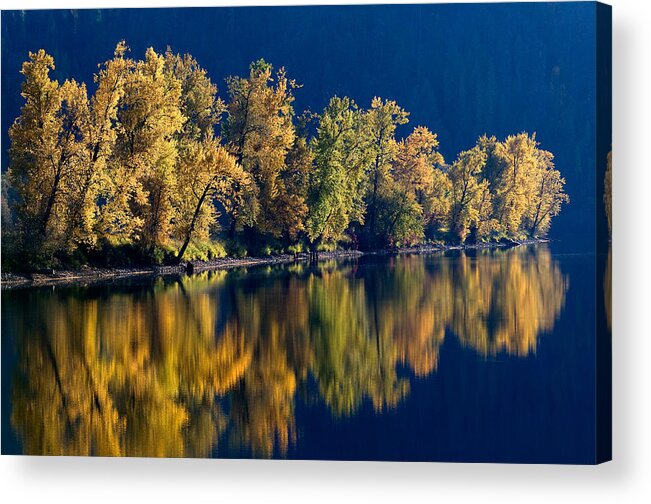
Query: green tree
[
  {"x": 495, "y": 166},
  {"x": 381, "y": 119},
  {"x": 335, "y": 196}
]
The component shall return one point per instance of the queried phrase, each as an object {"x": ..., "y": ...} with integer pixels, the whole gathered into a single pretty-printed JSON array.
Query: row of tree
[
  {"x": 147, "y": 163},
  {"x": 207, "y": 363}
]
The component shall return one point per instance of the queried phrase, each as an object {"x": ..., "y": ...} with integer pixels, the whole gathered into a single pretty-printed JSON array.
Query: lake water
[{"x": 482, "y": 356}]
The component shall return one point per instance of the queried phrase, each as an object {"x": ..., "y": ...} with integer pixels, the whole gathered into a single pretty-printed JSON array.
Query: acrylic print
[{"x": 327, "y": 232}]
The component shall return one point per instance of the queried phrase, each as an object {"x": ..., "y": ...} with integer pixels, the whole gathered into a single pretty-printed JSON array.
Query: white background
[{"x": 626, "y": 479}]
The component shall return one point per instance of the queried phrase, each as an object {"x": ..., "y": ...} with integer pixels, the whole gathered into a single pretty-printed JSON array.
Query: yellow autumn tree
[
  {"x": 96, "y": 118},
  {"x": 420, "y": 183},
  {"x": 468, "y": 200},
  {"x": 137, "y": 171},
  {"x": 208, "y": 175},
  {"x": 260, "y": 133},
  {"x": 548, "y": 195},
  {"x": 42, "y": 154},
  {"x": 518, "y": 154},
  {"x": 142, "y": 175}
]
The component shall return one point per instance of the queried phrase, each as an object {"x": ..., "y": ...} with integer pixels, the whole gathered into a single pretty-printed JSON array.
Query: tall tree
[
  {"x": 97, "y": 119},
  {"x": 518, "y": 155},
  {"x": 143, "y": 174},
  {"x": 42, "y": 146},
  {"x": 335, "y": 196},
  {"x": 382, "y": 119},
  {"x": 260, "y": 133},
  {"x": 290, "y": 206},
  {"x": 548, "y": 195},
  {"x": 467, "y": 191},
  {"x": 208, "y": 178},
  {"x": 421, "y": 186}
]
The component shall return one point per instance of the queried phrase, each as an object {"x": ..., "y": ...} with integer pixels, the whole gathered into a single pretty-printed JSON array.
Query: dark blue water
[{"x": 477, "y": 356}]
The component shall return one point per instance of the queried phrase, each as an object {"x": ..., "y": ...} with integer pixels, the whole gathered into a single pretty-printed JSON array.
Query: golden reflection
[
  {"x": 503, "y": 304},
  {"x": 195, "y": 366}
]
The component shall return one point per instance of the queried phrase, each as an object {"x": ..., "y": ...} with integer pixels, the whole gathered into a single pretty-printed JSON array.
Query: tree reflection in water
[{"x": 185, "y": 368}]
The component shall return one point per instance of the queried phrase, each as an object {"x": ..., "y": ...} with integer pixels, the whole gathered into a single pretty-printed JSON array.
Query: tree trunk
[
  {"x": 50, "y": 203},
  {"x": 188, "y": 235},
  {"x": 373, "y": 209}
]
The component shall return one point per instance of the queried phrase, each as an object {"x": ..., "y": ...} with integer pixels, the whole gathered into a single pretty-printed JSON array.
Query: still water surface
[{"x": 481, "y": 356}]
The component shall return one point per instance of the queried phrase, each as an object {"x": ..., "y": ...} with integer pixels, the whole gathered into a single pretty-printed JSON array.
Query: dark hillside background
[{"x": 461, "y": 70}]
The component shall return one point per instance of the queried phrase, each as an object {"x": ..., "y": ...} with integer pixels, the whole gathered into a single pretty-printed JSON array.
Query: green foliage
[
  {"x": 342, "y": 157},
  {"x": 381, "y": 121},
  {"x": 296, "y": 248},
  {"x": 236, "y": 248},
  {"x": 205, "y": 251}
]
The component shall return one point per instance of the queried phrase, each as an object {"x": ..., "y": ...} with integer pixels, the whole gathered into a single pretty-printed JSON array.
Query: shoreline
[{"x": 94, "y": 275}]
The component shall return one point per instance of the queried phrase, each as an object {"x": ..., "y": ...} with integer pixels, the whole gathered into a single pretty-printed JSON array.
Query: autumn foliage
[{"x": 152, "y": 166}]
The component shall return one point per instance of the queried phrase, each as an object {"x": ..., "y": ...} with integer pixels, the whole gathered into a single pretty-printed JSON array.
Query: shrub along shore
[
  {"x": 147, "y": 167},
  {"x": 94, "y": 275}
]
